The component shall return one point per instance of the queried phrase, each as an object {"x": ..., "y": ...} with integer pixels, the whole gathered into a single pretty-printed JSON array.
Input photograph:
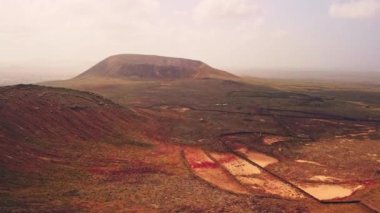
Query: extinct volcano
[{"x": 150, "y": 67}]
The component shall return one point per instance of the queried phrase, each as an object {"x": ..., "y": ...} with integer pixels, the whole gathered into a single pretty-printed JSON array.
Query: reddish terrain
[
  {"x": 38, "y": 122},
  {"x": 153, "y": 67},
  {"x": 183, "y": 139}
]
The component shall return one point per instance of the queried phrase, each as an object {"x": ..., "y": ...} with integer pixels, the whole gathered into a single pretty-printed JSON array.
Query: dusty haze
[{"x": 43, "y": 40}]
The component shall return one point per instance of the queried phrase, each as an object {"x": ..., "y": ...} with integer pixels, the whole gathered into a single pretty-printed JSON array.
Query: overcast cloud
[
  {"x": 71, "y": 35},
  {"x": 355, "y": 9}
]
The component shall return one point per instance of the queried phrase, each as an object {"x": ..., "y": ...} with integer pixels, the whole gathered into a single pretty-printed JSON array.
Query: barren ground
[{"x": 201, "y": 145}]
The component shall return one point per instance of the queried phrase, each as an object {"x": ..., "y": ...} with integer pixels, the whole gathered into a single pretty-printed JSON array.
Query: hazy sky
[{"x": 71, "y": 35}]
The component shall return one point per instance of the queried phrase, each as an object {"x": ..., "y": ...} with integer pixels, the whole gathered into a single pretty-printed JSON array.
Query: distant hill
[{"x": 150, "y": 67}]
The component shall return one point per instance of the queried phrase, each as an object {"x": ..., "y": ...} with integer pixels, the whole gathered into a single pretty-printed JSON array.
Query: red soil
[
  {"x": 37, "y": 121},
  {"x": 195, "y": 165},
  {"x": 227, "y": 159},
  {"x": 123, "y": 171},
  {"x": 207, "y": 169},
  {"x": 153, "y": 67}
]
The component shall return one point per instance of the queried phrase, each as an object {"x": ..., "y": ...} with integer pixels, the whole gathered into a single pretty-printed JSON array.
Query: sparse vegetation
[{"x": 67, "y": 150}]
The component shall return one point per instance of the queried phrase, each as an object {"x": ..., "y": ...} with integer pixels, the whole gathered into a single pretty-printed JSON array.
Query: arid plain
[{"x": 155, "y": 134}]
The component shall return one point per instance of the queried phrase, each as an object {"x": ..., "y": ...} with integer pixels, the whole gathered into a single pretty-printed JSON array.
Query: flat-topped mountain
[{"x": 134, "y": 66}]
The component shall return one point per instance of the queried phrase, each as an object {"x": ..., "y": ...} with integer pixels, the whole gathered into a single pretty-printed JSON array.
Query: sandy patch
[
  {"x": 369, "y": 131},
  {"x": 164, "y": 107},
  {"x": 254, "y": 177},
  {"x": 253, "y": 182},
  {"x": 208, "y": 170},
  {"x": 235, "y": 165},
  {"x": 260, "y": 159},
  {"x": 308, "y": 162},
  {"x": 274, "y": 186},
  {"x": 329, "y": 191},
  {"x": 269, "y": 140},
  {"x": 181, "y": 109},
  {"x": 322, "y": 178}
]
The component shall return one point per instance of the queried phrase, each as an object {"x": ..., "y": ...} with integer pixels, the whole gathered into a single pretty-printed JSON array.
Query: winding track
[
  {"x": 266, "y": 112},
  {"x": 369, "y": 208}
]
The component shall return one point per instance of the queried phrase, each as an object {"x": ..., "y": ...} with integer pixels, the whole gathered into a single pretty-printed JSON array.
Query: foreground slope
[
  {"x": 55, "y": 143},
  {"x": 30, "y": 113},
  {"x": 153, "y": 67},
  {"x": 63, "y": 150}
]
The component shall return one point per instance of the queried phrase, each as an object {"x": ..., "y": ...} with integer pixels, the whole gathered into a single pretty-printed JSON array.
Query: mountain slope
[
  {"x": 62, "y": 113},
  {"x": 34, "y": 119},
  {"x": 153, "y": 67}
]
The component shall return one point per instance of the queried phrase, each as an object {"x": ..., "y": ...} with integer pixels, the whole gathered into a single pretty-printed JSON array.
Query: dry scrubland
[{"x": 189, "y": 145}]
